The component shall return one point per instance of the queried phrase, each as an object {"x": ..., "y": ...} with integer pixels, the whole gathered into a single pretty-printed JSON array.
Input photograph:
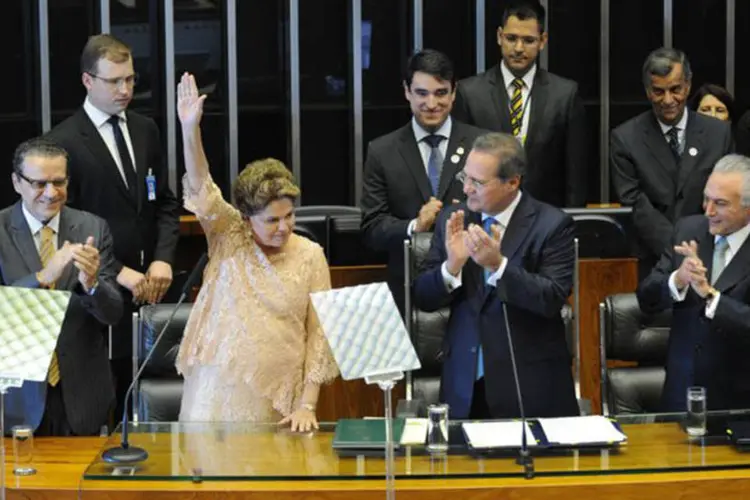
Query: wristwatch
[
  {"x": 712, "y": 292},
  {"x": 92, "y": 290}
]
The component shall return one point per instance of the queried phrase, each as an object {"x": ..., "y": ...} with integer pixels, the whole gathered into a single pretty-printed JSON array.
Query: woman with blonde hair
[{"x": 253, "y": 349}]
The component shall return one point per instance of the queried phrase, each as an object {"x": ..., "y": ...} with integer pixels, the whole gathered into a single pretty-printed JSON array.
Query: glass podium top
[{"x": 237, "y": 451}]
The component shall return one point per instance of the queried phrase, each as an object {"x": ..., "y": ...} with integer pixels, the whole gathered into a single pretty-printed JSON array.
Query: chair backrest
[
  {"x": 427, "y": 331},
  {"x": 159, "y": 392},
  {"x": 316, "y": 228},
  {"x": 627, "y": 334},
  {"x": 600, "y": 236}
]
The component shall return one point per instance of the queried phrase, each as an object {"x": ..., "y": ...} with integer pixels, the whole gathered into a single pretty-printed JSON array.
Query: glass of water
[
  {"x": 437, "y": 428},
  {"x": 23, "y": 450},
  {"x": 696, "y": 411}
]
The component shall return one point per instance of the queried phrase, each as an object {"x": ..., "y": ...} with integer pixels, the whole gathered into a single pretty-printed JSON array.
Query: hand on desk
[{"x": 302, "y": 420}]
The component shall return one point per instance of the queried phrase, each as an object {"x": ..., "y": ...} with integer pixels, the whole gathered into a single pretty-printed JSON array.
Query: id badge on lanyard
[{"x": 151, "y": 185}]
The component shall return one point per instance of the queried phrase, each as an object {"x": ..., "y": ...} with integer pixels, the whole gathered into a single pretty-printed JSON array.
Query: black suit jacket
[
  {"x": 143, "y": 230},
  {"x": 647, "y": 177},
  {"x": 743, "y": 134},
  {"x": 87, "y": 389},
  {"x": 556, "y": 143},
  {"x": 709, "y": 352},
  {"x": 396, "y": 186},
  {"x": 536, "y": 283}
]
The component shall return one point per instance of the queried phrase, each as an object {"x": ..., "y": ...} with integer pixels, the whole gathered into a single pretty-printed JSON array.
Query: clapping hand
[
  {"x": 691, "y": 271},
  {"x": 455, "y": 242},
  {"x": 484, "y": 248},
  {"x": 86, "y": 259}
]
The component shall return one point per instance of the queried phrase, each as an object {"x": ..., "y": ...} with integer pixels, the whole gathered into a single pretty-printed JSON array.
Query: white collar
[
  {"x": 736, "y": 239},
  {"x": 97, "y": 116},
  {"x": 681, "y": 125},
  {"x": 504, "y": 217},
  {"x": 35, "y": 225},
  {"x": 508, "y": 77},
  {"x": 420, "y": 133}
]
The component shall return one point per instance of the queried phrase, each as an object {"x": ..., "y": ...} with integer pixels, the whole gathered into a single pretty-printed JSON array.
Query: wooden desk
[{"x": 62, "y": 462}]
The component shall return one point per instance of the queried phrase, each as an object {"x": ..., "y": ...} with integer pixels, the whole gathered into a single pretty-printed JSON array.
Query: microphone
[
  {"x": 132, "y": 454},
  {"x": 524, "y": 458}
]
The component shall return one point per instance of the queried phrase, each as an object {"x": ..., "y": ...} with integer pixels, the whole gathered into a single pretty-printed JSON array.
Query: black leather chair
[
  {"x": 158, "y": 395},
  {"x": 600, "y": 237},
  {"x": 626, "y": 334}
]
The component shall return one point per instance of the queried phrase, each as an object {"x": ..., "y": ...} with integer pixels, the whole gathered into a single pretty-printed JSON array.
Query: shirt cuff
[
  {"x": 451, "y": 282},
  {"x": 677, "y": 295},
  {"x": 711, "y": 305},
  {"x": 410, "y": 227},
  {"x": 492, "y": 278}
]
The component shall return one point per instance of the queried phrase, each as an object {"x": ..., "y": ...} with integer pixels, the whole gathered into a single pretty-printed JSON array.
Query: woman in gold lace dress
[{"x": 253, "y": 349}]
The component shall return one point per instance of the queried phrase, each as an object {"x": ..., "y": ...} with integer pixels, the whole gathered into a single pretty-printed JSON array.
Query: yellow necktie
[
  {"x": 516, "y": 107},
  {"x": 46, "y": 251}
]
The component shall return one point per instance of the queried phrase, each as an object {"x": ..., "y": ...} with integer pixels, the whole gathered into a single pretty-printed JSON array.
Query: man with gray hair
[
  {"x": 705, "y": 278},
  {"x": 660, "y": 159},
  {"x": 502, "y": 252}
]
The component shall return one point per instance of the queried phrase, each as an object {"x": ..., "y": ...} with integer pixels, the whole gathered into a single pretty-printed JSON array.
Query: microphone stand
[
  {"x": 524, "y": 456},
  {"x": 125, "y": 453}
]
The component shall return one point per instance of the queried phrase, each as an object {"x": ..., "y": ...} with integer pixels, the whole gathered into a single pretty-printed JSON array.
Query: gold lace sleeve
[
  {"x": 215, "y": 215},
  {"x": 320, "y": 366}
]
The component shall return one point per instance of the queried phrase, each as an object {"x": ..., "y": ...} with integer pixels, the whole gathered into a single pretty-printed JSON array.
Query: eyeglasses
[
  {"x": 462, "y": 177},
  {"x": 129, "y": 81},
  {"x": 525, "y": 40},
  {"x": 41, "y": 185}
]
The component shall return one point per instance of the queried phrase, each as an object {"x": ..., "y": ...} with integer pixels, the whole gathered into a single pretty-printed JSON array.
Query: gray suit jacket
[
  {"x": 87, "y": 388},
  {"x": 647, "y": 177},
  {"x": 556, "y": 144}
]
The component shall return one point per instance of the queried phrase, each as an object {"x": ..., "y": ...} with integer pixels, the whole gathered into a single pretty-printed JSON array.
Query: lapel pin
[
  {"x": 455, "y": 158},
  {"x": 693, "y": 151},
  {"x": 460, "y": 150}
]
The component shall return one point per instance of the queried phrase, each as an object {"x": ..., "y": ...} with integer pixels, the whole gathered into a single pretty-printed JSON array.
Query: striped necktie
[
  {"x": 720, "y": 258},
  {"x": 46, "y": 251},
  {"x": 516, "y": 107}
]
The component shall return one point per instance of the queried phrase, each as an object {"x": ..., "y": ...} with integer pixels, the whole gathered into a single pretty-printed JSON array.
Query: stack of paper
[
  {"x": 592, "y": 429},
  {"x": 482, "y": 435}
]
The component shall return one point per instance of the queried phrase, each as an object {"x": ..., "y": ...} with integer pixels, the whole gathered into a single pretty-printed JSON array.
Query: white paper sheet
[
  {"x": 506, "y": 434},
  {"x": 415, "y": 431},
  {"x": 580, "y": 430}
]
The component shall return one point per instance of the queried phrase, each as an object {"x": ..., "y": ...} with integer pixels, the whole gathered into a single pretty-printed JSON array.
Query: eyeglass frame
[
  {"x": 462, "y": 177},
  {"x": 41, "y": 185},
  {"x": 526, "y": 41},
  {"x": 129, "y": 81}
]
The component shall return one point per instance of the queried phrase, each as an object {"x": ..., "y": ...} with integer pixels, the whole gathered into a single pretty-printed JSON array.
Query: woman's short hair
[
  {"x": 262, "y": 182},
  {"x": 718, "y": 92}
]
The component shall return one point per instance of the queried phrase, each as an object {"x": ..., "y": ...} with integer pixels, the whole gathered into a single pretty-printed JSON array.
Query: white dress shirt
[
  {"x": 36, "y": 228},
  {"x": 425, "y": 150},
  {"x": 734, "y": 241},
  {"x": 503, "y": 219},
  {"x": 99, "y": 119},
  {"x": 528, "y": 83},
  {"x": 681, "y": 126}
]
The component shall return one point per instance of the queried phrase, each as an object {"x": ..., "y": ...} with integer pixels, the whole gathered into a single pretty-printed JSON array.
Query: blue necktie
[
  {"x": 487, "y": 224},
  {"x": 720, "y": 258},
  {"x": 435, "y": 162}
]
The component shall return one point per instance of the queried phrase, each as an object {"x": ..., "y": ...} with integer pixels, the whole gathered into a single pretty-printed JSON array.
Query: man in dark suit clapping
[
  {"x": 704, "y": 276},
  {"x": 541, "y": 109},
  {"x": 502, "y": 252},
  {"x": 44, "y": 244},
  {"x": 409, "y": 173},
  {"x": 117, "y": 173}
]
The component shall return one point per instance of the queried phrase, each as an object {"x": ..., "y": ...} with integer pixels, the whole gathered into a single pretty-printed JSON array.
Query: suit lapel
[
  {"x": 94, "y": 142},
  {"x": 539, "y": 93},
  {"x": 409, "y": 151},
  {"x": 518, "y": 227},
  {"x": 24, "y": 241},
  {"x": 458, "y": 148},
  {"x": 657, "y": 145},
  {"x": 138, "y": 138},
  {"x": 68, "y": 232},
  {"x": 737, "y": 269},
  {"x": 693, "y": 142},
  {"x": 500, "y": 99}
]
